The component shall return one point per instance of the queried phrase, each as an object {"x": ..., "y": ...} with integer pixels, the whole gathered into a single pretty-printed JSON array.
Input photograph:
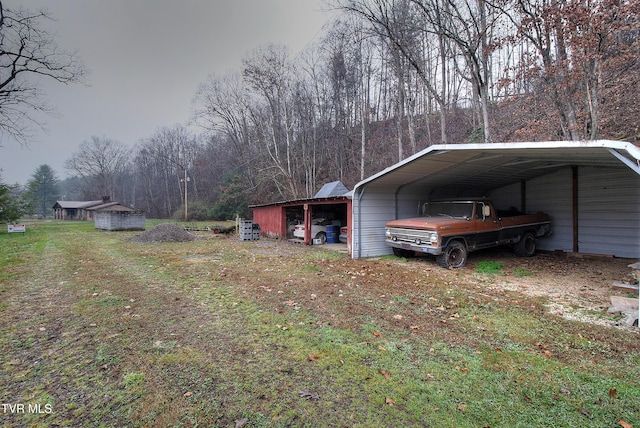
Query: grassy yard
[{"x": 100, "y": 331}]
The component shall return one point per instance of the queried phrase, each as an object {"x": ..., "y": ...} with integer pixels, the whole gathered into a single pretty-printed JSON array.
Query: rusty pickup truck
[{"x": 451, "y": 229}]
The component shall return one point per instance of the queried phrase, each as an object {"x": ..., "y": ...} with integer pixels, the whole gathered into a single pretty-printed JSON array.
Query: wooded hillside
[{"x": 387, "y": 79}]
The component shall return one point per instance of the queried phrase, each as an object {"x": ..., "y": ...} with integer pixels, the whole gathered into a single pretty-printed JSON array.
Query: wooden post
[
  {"x": 307, "y": 224},
  {"x": 636, "y": 268}
]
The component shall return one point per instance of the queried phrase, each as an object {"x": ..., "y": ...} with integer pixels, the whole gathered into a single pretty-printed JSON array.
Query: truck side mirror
[{"x": 486, "y": 211}]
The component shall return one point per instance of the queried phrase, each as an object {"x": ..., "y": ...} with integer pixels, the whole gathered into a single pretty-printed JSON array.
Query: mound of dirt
[{"x": 164, "y": 232}]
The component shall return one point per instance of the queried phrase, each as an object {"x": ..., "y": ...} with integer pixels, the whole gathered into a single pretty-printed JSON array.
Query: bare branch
[{"x": 27, "y": 54}]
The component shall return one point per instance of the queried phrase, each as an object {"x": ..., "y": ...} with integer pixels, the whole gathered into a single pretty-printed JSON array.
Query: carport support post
[
  {"x": 307, "y": 224},
  {"x": 636, "y": 268}
]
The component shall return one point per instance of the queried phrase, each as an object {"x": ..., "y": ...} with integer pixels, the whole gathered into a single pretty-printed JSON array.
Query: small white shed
[
  {"x": 115, "y": 216},
  {"x": 591, "y": 190}
]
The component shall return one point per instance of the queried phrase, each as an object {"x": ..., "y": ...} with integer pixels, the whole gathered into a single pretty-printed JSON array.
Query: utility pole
[{"x": 186, "y": 203}]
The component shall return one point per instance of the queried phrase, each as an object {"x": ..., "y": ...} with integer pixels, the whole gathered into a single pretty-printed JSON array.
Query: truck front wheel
[
  {"x": 526, "y": 246},
  {"x": 399, "y": 252},
  {"x": 454, "y": 256}
]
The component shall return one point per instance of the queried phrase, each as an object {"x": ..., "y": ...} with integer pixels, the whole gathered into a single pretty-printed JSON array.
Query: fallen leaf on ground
[
  {"x": 308, "y": 395},
  {"x": 313, "y": 357},
  {"x": 385, "y": 374},
  {"x": 390, "y": 401}
]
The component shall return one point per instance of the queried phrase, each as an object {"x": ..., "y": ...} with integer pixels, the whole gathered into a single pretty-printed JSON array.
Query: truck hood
[{"x": 433, "y": 223}]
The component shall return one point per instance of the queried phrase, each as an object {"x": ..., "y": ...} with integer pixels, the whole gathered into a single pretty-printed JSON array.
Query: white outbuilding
[{"x": 590, "y": 189}]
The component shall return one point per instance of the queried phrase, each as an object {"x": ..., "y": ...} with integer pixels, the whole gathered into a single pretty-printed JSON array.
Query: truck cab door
[{"x": 488, "y": 225}]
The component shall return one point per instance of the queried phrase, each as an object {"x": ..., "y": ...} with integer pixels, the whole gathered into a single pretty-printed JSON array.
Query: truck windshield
[{"x": 448, "y": 209}]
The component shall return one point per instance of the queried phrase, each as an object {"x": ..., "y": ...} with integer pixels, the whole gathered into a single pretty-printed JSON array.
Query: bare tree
[
  {"x": 99, "y": 161},
  {"x": 269, "y": 72},
  {"x": 399, "y": 29},
  {"x": 222, "y": 107},
  {"x": 162, "y": 163},
  {"x": 28, "y": 52}
]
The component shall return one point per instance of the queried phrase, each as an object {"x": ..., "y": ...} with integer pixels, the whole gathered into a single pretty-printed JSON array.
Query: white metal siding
[
  {"x": 409, "y": 202},
  {"x": 370, "y": 213},
  {"x": 552, "y": 194},
  {"x": 505, "y": 197},
  {"x": 609, "y": 212}
]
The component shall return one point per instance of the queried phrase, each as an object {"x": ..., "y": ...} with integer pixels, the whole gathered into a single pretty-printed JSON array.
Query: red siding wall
[{"x": 271, "y": 220}]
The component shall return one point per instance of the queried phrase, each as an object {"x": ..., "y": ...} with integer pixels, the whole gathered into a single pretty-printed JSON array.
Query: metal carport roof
[{"x": 489, "y": 166}]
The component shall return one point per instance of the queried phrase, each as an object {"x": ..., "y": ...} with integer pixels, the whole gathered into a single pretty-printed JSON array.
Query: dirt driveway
[{"x": 575, "y": 286}]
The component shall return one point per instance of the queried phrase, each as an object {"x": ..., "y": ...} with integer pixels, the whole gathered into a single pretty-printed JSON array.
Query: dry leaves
[
  {"x": 385, "y": 374},
  {"x": 308, "y": 395}
]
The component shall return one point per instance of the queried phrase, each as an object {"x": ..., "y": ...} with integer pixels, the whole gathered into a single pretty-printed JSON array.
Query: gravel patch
[{"x": 164, "y": 232}]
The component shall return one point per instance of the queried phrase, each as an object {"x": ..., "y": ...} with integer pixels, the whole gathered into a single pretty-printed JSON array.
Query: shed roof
[
  {"x": 113, "y": 207},
  {"x": 330, "y": 192},
  {"x": 484, "y": 167},
  {"x": 335, "y": 188}
]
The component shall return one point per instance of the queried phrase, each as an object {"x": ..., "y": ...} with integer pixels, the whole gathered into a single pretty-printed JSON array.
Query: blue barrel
[{"x": 333, "y": 234}]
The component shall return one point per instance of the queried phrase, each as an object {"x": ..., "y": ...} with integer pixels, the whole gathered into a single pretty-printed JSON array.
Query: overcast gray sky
[{"x": 147, "y": 58}]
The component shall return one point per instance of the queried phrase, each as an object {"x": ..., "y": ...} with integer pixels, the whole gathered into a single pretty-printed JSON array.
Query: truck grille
[{"x": 410, "y": 235}]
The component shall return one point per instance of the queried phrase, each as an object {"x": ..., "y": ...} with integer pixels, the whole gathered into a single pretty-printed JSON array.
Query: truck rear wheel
[
  {"x": 526, "y": 246},
  {"x": 454, "y": 256}
]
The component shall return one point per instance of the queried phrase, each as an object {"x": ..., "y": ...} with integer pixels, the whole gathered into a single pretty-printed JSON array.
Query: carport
[
  {"x": 276, "y": 220},
  {"x": 591, "y": 190}
]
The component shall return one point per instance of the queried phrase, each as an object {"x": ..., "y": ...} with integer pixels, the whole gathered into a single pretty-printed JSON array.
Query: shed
[
  {"x": 116, "y": 216},
  {"x": 590, "y": 189},
  {"x": 277, "y": 219}
]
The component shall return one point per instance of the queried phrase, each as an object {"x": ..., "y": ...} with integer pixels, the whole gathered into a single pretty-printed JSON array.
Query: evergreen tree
[
  {"x": 232, "y": 201},
  {"x": 11, "y": 205},
  {"x": 43, "y": 190}
]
